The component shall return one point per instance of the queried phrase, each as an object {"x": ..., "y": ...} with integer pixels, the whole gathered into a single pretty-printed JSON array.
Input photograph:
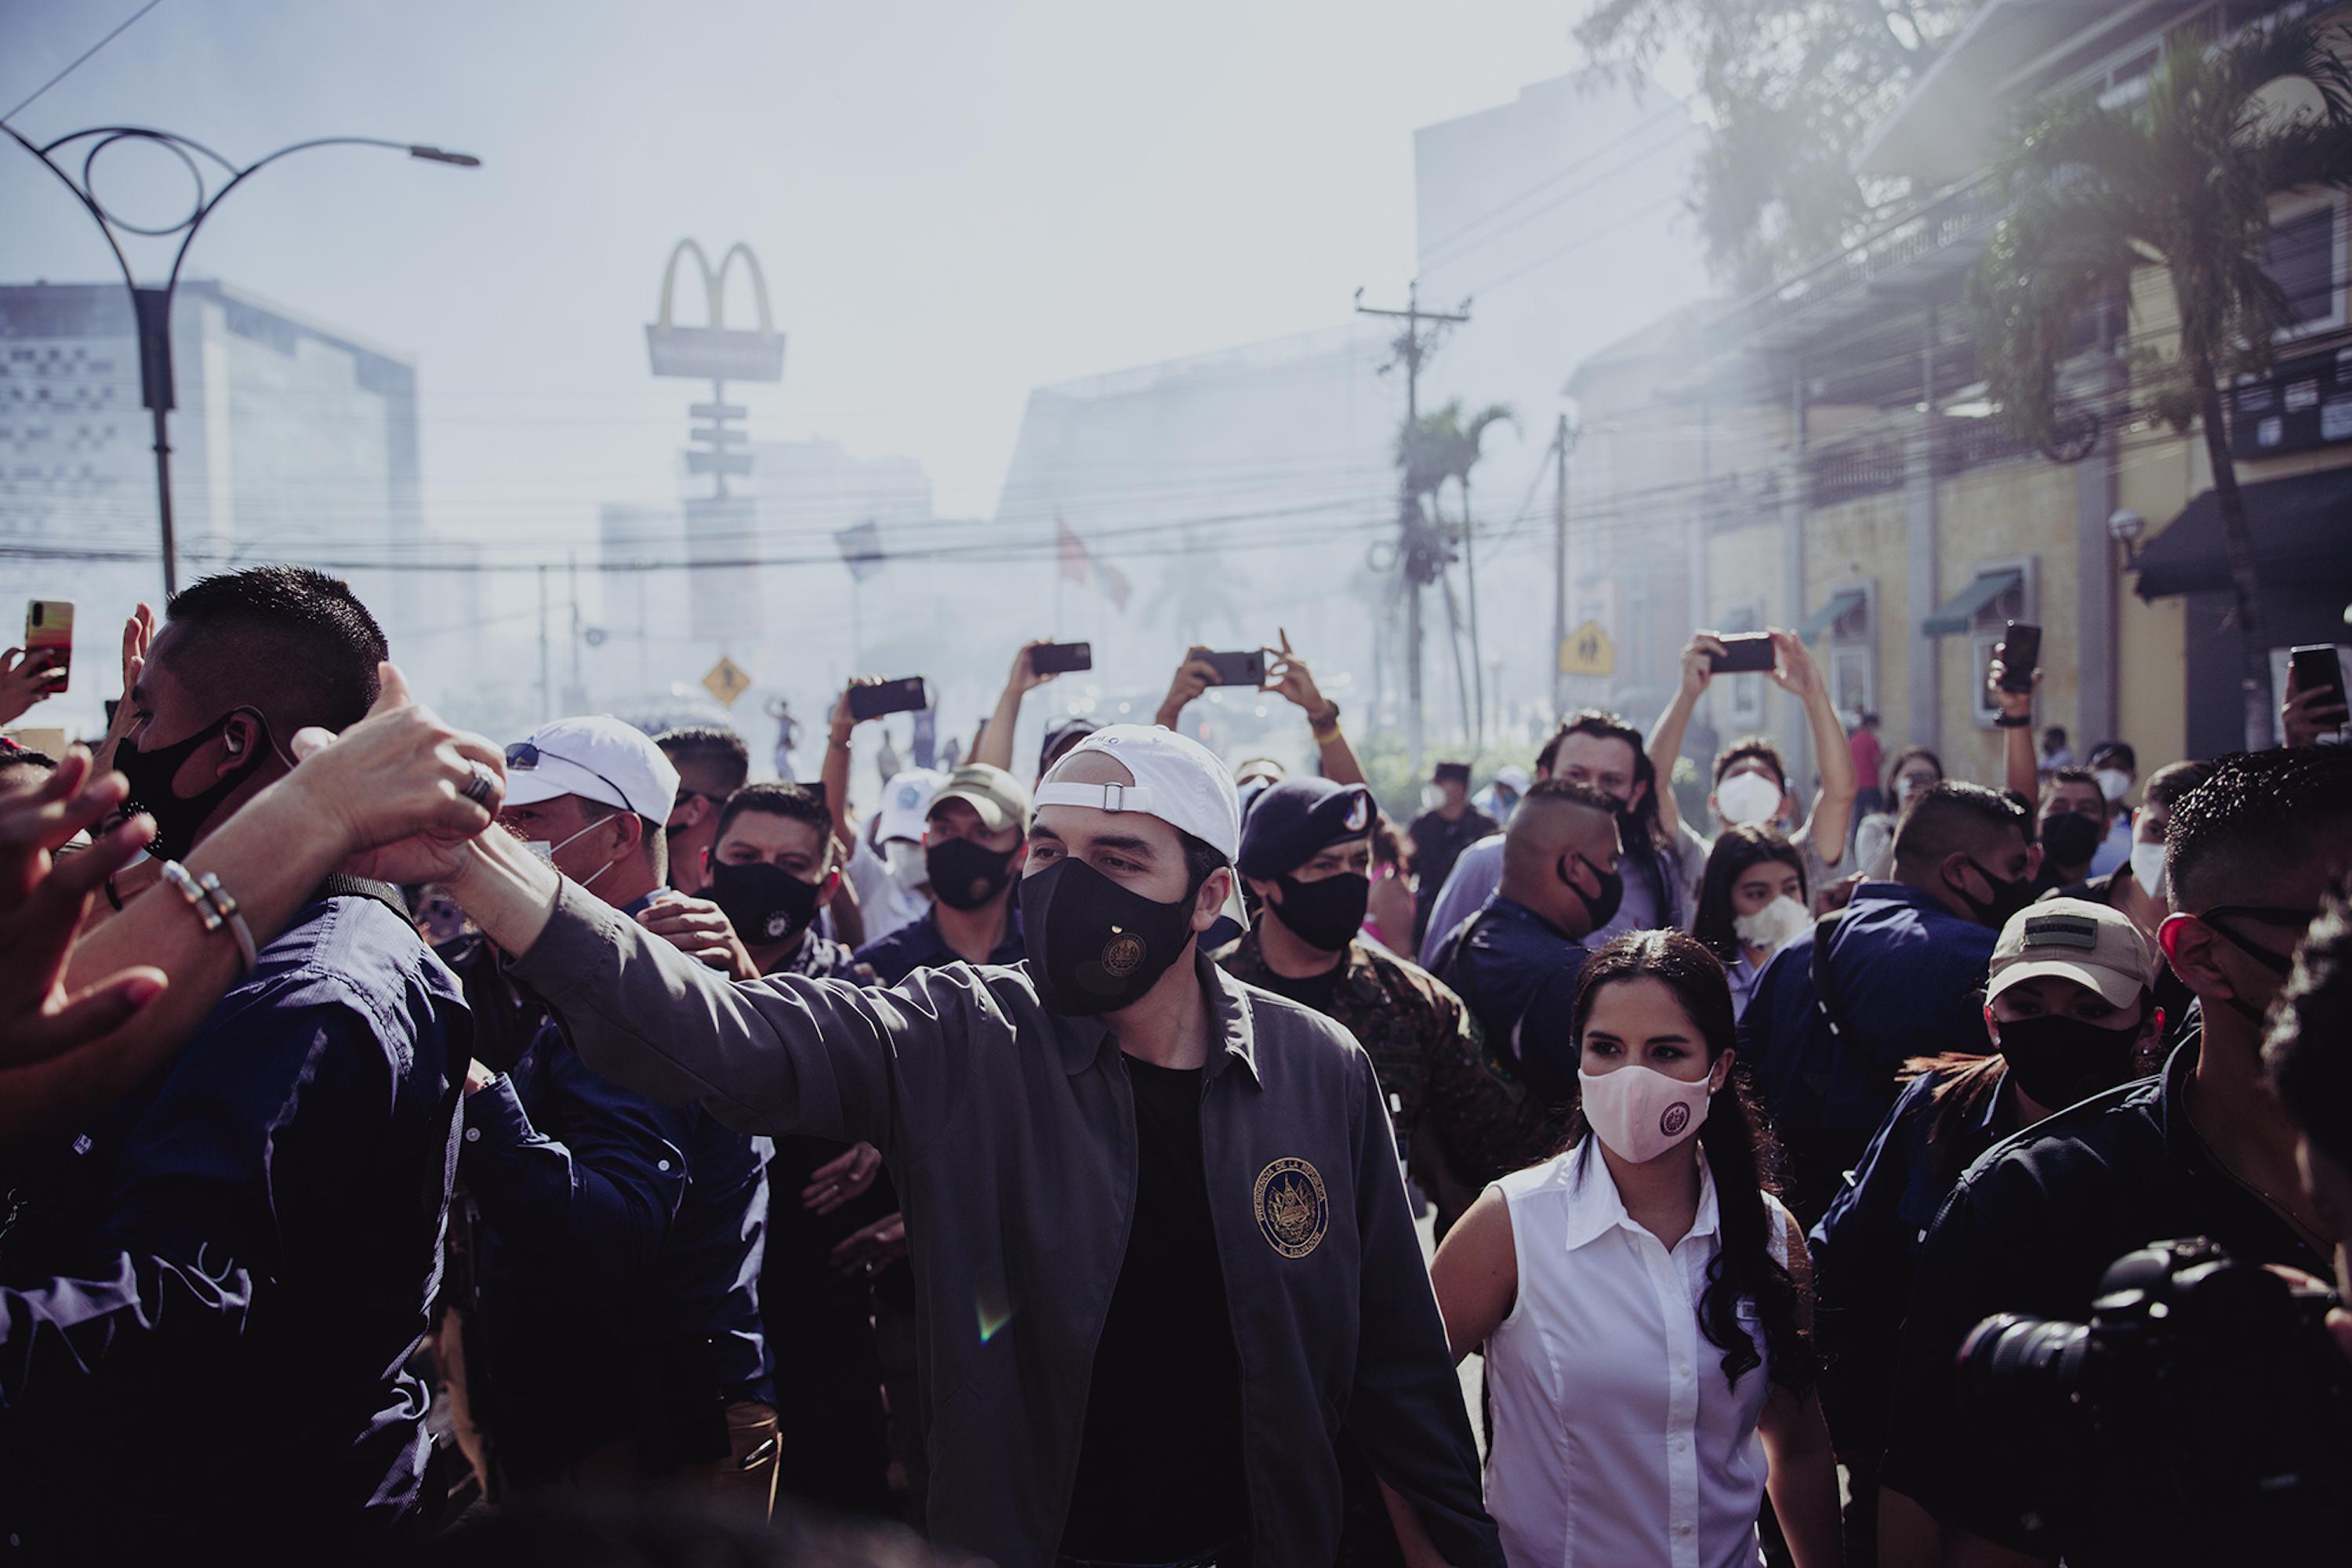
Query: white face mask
[
  {"x": 908, "y": 867},
  {"x": 1774, "y": 926},
  {"x": 1431, "y": 798},
  {"x": 2114, "y": 783},
  {"x": 2147, "y": 870},
  {"x": 545, "y": 852},
  {"x": 1910, "y": 784},
  {"x": 1744, "y": 798},
  {"x": 1639, "y": 1113}
]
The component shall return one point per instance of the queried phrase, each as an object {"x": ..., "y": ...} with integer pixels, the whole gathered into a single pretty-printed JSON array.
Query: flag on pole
[
  {"x": 1074, "y": 551},
  {"x": 861, "y": 549},
  {"x": 1113, "y": 583}
]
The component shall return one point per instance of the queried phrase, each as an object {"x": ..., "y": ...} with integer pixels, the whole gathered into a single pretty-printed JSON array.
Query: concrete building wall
[{"x": 2011, "y": 513}]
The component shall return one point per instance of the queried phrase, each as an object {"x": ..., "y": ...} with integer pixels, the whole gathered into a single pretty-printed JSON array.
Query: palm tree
[
  {"x": 1444, "y": 445},
  {"x": 2181, "y": 180}
]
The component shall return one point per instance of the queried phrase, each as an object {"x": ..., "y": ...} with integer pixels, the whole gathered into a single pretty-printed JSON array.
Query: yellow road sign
[
  {"x": 726, "y": 681},
  {"x": 1587, "y": 651}
]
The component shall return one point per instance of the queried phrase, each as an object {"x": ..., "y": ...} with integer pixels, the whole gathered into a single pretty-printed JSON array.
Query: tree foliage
[
  {"x": 1792, "y": 89},
  {"x": 2183, "y": 179}
]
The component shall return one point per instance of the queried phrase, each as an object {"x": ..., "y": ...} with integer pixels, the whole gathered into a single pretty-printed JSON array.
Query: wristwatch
[
  {"x": 2013, "y": 722},
  {"x": 1326, "y": 726}
]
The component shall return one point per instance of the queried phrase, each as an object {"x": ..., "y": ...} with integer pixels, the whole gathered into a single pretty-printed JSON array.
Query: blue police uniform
[
  {"x": 213, "y": 1296},
  {"x": 1518, "y": 972},
  {"x": 1911, "y": 977},
  {"x": 621, "y": 1267},
  {"x": 919, "y": 945}
]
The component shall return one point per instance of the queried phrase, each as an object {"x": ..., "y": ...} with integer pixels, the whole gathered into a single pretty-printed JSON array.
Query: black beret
[{"x": 1293, "y": 820}]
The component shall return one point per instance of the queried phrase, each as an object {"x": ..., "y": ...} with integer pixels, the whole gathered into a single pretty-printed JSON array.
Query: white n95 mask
[
  {"x": 1640, "y": 1113},
  {"x": 1744, "y": 798},
  {"x": 1774, "y": 926}
]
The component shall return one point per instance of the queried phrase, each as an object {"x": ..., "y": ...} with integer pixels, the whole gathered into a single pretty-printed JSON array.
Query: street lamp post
[{"x": 151, "y": 305}]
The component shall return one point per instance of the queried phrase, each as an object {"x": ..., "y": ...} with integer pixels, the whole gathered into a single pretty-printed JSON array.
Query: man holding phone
[
  {"x": 1277, "y": 669},
  {"x": 1037, "y": 663},
  {"x": 36, "y": 670}
]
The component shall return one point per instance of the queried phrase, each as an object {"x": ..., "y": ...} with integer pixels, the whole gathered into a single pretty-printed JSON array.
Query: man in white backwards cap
[{"x": 1162, "y": 1249}]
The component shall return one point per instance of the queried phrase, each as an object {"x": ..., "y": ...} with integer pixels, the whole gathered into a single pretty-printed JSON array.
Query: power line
[{"x": 120, "y": 29}]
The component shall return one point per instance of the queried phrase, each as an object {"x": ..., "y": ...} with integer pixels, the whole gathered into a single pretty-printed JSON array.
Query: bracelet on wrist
[
  {"x": 2013, "y": 722},
  {"x": 213, "y": 907}
]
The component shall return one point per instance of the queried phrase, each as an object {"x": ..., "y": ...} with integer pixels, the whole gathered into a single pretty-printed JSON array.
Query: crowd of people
[{"x": 578, "y": 1150}]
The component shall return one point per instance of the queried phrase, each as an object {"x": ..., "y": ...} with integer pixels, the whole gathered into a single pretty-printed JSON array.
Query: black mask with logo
[
  {"x": 1326, "y": 914},
  {"x": 2058, "y": 1061},
  {"x": 178, "y": 818},
  {"x": 2070, "y": 838},
  {"x": 965, "y": 873},
  {"x": 1600, "y": 908},
  {"x": 765, "y": 903},
  {"x": 2007, "y": 897},
  {"x": 1093, "y": 946}
]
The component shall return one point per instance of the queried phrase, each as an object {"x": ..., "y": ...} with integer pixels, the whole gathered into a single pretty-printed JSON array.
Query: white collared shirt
[{"x": 1618, "y": 1441}]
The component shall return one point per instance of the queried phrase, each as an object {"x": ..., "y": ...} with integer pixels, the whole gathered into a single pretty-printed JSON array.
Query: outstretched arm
[
  {"x": 1288, "y": 673},
  {"x": 994, "y": 744},
  {"x": 1831, "y": 817},
  {"x": 1667, "y": 736},
  {"x": 2021, "y": 769}
]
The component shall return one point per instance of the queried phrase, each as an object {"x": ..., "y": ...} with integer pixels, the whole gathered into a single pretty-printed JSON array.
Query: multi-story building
[
  {"x": 290, "y": 440},
  {"x": 1878, "y": 505}
]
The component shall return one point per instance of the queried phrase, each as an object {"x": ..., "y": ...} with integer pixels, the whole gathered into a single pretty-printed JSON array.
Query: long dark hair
[
  {"x": 1607, "y": 726},
  {"x": 1750, "y": 844},
  {"x": 1741, "y": 1158}
]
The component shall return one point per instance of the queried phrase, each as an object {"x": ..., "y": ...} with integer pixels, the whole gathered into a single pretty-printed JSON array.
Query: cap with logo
[
  {"x": 996, "y": 796},
  {"x": 2073, "y": 939},
  {"x": 1295, "y": 820},
  {"x": 906, "y": 803},
  {"x": 597, "y": 758},
  {"x": 1176, "y": 779}
]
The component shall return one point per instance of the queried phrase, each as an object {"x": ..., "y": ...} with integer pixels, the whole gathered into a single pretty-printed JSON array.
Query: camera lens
[{"x": 2020, "y": 1367}]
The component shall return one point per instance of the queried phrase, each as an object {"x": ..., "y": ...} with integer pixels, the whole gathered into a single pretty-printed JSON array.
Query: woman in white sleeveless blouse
[{"x": 1642, "y": 1303}]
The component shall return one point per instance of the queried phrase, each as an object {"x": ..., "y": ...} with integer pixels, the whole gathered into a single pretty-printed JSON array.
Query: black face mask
[
  {"x": 1093, "y": 946},
  {"x": 2070, "y": 838},
  {"x": 765, "y": 903},
  {"x": 1600, "y": 908},
  {"x": 2058, "y": 1060},
  {"x": 2007, "y": 897},
  {"x": 966, "y": 874},
  {"x": 2278, "y": 963},
  {"x": 1325, "y": 915},
  {"x": 178, "y": 818}
]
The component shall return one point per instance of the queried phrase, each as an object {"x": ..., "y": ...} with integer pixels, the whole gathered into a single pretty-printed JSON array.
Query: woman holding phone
[{"x": 1641, "y": 1301}]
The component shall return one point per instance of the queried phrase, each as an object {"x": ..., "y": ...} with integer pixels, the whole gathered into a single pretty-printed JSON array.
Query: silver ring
[{"x": 477, "y": 788}]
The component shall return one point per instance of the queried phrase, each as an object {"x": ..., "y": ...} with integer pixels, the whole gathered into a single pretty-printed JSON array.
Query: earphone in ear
[{"x": 232, "y": 743}]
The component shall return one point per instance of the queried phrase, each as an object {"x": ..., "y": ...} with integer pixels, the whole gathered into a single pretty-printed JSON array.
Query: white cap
[
  {"x": 906, "y": 804},
  {"x": 1176, "y": 780},
  {"x": 1513, "y": 776},
  {"x": 599, "y": 759}
]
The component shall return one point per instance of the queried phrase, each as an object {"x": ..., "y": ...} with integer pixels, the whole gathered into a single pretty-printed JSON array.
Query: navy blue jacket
[
  {"x": 237, "y": 1261},
  {"x": 919, "y": 945},
  {"x": 1518, "y": 972},
  {"x": 1913, "y": 976},
  {"x": 621, "y": 1262}
]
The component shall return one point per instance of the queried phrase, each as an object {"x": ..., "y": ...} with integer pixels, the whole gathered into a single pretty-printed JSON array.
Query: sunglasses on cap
[{"x": 523, "y": 756}]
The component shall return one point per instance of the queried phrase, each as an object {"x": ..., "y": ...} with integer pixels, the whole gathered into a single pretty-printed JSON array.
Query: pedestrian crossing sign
[
  {"x": 1587, "y": 651},
  {"x": 726, "y": 681}
]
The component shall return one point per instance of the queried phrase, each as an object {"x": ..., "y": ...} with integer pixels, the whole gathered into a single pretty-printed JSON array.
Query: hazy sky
[{"x": 954, "y": 203}]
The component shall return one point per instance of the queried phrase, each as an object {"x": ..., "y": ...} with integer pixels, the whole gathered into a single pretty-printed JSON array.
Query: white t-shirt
[
  {"x": 881, "y": 902},
  {"x": 1617, "y": 1441}
]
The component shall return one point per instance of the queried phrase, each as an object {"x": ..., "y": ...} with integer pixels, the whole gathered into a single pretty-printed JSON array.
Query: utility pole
[
  {"x": 1419, "y": 553},
  {"x": 1558, "y": 561},
  {"x": 546, "y": 691},
  {"x": 578, "y": 696}
]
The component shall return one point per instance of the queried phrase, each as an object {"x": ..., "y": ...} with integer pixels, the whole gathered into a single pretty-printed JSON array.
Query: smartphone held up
[{"x": 49, "y": 639}]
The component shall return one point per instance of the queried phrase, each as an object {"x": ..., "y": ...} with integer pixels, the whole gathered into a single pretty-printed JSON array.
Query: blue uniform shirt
[
  {"x": 622, "y": 1260},
  {"x": 1912, "y": 973},
  {"x": 1518, "y": 972},
  {"x": 919, "y": 945},
  {"x": 243, "y": 1253}
]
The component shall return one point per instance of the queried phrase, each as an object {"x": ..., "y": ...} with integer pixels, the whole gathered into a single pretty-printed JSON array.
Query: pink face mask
[{"x": 1639, "y": 1113}]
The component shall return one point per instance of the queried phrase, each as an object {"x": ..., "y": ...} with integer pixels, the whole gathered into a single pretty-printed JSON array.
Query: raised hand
[
  {"x": 1699, "y": 655},
  {"x": 44, "y": 898},
  {"x": 1287, "y": 673},
  {"x": 24, "y": 680},
  {"x": 1794, "y": 670},
  {"x": 700, "y": 930},
  {"x": 1192, "y": 677},
  {"x": 405, "y": 790}
]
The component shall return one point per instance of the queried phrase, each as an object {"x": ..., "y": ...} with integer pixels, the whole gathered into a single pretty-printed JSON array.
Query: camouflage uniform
[{"x": 1462, "y": 1124}]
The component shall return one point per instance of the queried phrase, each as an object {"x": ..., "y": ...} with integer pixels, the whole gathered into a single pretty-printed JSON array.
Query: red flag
[
  {"x": 1074, "y": 551},
  {"x": 1113, "y": 583}
]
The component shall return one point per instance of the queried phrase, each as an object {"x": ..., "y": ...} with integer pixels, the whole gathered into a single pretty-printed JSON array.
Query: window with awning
[
  {"x": 2300, "y": 528},
  {"x": 1959, "y": 613},
  {"x": 1838, "y": 607}
]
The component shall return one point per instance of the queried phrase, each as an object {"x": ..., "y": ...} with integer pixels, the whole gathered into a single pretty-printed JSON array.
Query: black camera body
[{"x": 2203, "y": 1415}]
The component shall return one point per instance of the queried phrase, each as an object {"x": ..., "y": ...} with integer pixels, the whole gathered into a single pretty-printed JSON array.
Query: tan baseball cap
[
  {"x": 996, "y": 794},
  {"x": 2076, "y": 940}
]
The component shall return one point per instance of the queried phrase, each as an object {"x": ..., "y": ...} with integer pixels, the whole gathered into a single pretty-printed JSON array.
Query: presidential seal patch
[
  {"x": 1293, "y": 1211},
  {"x": 1122, "y": 956},
  {"x": 1675, "y": 1118}
]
